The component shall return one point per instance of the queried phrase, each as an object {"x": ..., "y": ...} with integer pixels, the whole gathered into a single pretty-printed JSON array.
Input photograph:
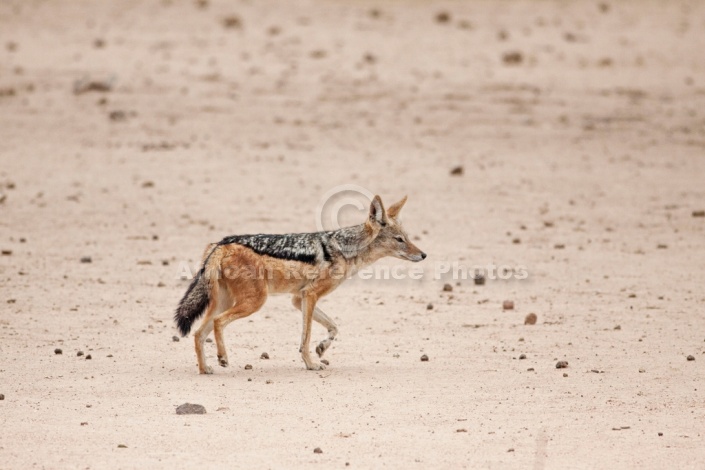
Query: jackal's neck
[{"x": 354, "y": 244}]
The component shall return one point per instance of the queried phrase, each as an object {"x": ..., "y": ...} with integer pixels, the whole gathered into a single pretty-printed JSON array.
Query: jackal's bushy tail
[{"x": 193, "y": 303}]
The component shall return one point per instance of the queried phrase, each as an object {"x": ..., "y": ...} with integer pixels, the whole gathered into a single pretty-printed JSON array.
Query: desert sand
[{"x": 133, "y": 133}]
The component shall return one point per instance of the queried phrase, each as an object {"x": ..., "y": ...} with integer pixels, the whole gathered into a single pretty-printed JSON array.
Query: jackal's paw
[
  {"x": 315, "y": 366},
  {"x": 207, "y": 370},
  {"x": 223, "y": 361},
  {"x": 322, "y": 347}
]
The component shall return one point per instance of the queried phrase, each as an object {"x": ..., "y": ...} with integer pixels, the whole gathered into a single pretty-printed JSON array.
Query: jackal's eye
[{"x": 399, "y": 239}]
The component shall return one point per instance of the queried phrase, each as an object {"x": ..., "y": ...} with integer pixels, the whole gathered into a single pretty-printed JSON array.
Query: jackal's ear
[
  {"x": 394, "y": 209},
  {"x": 377, "y": 213}
]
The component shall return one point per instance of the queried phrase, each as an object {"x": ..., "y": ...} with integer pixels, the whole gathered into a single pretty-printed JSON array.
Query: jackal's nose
[{"x": 423, "y": 255}]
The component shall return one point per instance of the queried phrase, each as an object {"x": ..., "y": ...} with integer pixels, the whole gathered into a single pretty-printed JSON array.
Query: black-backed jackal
[{"x": 239, "y": 272}]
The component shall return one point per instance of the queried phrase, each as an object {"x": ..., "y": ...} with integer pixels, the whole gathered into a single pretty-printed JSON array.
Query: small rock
[
  {"x": 117, "y": 116},
  {"x": 80, "y": 87},
  {"x": 175, "y": 339},
  {"x": 248, "y": 366},
  {"x": 447, "y": 288},
  {"x": 479, "y": 279},
  {"x": 88, "y": 357},
  {"x": 516, "y": 241},
  {"x": 510, "y": 450},
  {"x": 442, "y": 17},
  {"x": 561, "y": 364},
  {"x": 530, "y": 369},
  {"x": 513, "y": 58},
  {"x": 660, "y": 434},
  {"x": 122, "y": 446},
  {"x": 522, "y": 356},
  {"x": 461, "y": 430},
  {"x": 661, "y": 246},
  {"x": 457, "y": 171},
  {"x": 559, "y": 246},
  {"x": 690, "y": 357},
  {"x": 232, "y": 22},
  {"x": 429, "y": 306},
  {"x": 424, "y": 358},
  {"x": 209, "y": 340},
  {"x": 508, "y": 305},
  {"x": 325, "y": 361},
  {"x": 148, "y": 184},
  {"x": 565, "y": 374},
  {"x": 190, "y": 409},
  {"x": 264, "y": 355},
  {"x": 530, "y": 319},
  {"x": 6, "y": 252},
  {"x": 618, "y": 327},
  {"x": 161, "y": 284},
  {"x": 641, "y": 371},
  {"x": 317, "y": 450},
  {"x": 84, "y": 423},
  {"x": 698, "y": 213},
  {"x": 2, "y": 396},
  {"x": 79, "y": 353},
  {"x": 269, "y": 381},
  {"x": 86, "y": 259},
  {"x": 58, "y": 351}
]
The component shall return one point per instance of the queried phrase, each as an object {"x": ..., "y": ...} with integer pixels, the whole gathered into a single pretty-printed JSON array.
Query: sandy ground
[{"x": 581, "y": 131}]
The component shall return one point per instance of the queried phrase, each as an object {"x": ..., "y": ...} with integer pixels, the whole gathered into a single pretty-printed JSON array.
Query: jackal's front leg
[
  {"x": 330, "y": 325},
  {"x": 308, "y": 305}
]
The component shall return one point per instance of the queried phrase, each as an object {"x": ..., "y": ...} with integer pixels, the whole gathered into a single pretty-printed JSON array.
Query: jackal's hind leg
[{"x": 250, "y": 301}]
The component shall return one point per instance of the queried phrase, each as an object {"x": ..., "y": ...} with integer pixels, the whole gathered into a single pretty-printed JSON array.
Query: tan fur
[{"x": 240, "y": 281}]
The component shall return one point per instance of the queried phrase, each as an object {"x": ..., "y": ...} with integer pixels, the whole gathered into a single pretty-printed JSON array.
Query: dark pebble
[
  {"x": 508, "y": 305},
  {"x": 88, "y": 357},
  {"x": 479, "y": 279},
  {"x": 447, "y": 288},
  {"x": 2, "y": 396},
  {"x": 690, "y": 357},
  {"x": 209, "y": 340},
  {"x": 424, "y": 358},
  {"x": 442, "y": 17},
  {"x": 513, "y": 58},
  {"x": 86, "y": 259},
  {"x": 429, "y": 306},
  {"x": 58, "y": 351},
  {"x": 522, "y": 356},
  {"x": 190, "y": 409},
  {"x": 530, "y": 319},
  {"x": 561, "y": 364},
  {"x": 660, "y": 434},
  {"x": 175, "y": 339},
  {"x": 457, "y": 171},
  {"x": 264, "y": 355},
  {"x": 79, "y": 353},
  {"x": 317, "y": 450},
  {"x": 248, "y": 366},
  {"x": 698, "y": 213}
]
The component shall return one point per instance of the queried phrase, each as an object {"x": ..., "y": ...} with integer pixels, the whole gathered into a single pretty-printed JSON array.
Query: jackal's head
[{"x": 389, "y": 237}]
